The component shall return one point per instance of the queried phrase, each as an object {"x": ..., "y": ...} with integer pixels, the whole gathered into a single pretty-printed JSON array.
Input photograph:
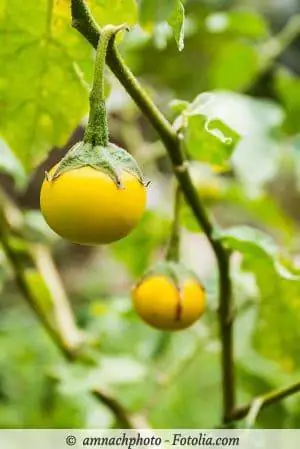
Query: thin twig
[
  {"x": 86, "y": 25},
  {"x": 122, "y": 416},
  {"x": 265, "y": 400}
]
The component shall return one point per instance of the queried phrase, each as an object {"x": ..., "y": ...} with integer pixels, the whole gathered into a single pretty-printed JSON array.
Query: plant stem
[
  {"x": 267, "y": 399},
  {"x": 86, "y": 25},
  {"x": 121, "y": 414},
  {"x": 173, "y": 250}
]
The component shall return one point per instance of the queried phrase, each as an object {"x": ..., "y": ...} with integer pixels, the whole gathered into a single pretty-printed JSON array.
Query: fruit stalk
[{"x": 97, "y": 129}]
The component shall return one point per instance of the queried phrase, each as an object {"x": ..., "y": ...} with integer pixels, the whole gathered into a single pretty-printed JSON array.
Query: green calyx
[
  {"x": 174, "y": 271},
  {"x": 111, "y": 160}
]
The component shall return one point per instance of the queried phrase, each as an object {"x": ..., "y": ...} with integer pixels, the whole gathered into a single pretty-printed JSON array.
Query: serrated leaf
[
  {"x": 210, "y": 141},
  {"x": 249, "y": 124},
  {"x": 207, "y": 138},
  {"x": 43, "y": 95},
  {"x": 115, "y": 12}
]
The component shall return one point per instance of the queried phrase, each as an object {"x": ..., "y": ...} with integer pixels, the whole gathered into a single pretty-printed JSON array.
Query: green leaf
[
  {"x": 115, "y": 12},
  {"x": 253, "y": 243},
  {"x": 277, "y": 331},
  {"x": 207, "y": 137},
  {"x": 240, "y": 23},
  {"x": 154, "y": 12},
  {"x": 42, "y": 90},
  {"x": 243, "y": 124},
  {"x": 210, "y": 141}
]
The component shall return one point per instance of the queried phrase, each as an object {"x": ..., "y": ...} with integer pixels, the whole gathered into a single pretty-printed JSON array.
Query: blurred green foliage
[{"x": 243, "y": 148}]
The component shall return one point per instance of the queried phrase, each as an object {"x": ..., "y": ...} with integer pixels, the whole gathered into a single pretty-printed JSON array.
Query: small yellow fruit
[
  {"x": 85, "y": 206},
  {"x": 163, "y": 305}
]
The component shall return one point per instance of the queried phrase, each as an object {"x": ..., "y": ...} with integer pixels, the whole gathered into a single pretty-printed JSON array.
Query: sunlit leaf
[
  {"x": 234, "y": 122},
  {"x": 207, "y": 137},
  {"x": 43, "y": 94},
  {"x": 210, "y": 141}
]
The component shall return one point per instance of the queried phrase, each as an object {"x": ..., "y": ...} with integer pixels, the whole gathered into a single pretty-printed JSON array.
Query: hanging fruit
[
  {"x": 96, "y": 194},
  {"x": 169, "y": 297}
]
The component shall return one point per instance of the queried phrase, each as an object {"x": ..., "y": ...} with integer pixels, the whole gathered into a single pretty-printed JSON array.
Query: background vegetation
[{"x": 243, "y": 145}]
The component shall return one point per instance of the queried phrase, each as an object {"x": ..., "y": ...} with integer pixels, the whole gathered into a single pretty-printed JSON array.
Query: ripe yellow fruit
[
  {"x": 85, "y": 206},
  {"x": 163, "y": 305}
]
